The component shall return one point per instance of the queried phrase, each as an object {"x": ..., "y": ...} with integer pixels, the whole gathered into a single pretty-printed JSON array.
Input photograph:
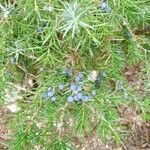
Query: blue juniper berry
[
  {"x": 79, "y": 78},
  {"x": 105, "y": 7},
  {"x": 75, "y": 97},
  {"x": 70, "y": 99},
  {"x": 60, "y": 86},
  {"x": 67, "y": 72},
  {"x": 50, "y": 93},
  {"x": 73, "y": 87},
  {"x": 79, "y": 95},
  {"x": 53, "y": 99},
  {"x": 44, "y": 95},
  {"x": 80, "y": 75},
  {"x": 85, "y": 98},
  {"x": 79, "y": 88},
  {"x": 50, "y": 89}
]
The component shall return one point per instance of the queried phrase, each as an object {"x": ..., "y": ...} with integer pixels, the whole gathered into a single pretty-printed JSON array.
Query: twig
[{"x": 25, "y": 71}]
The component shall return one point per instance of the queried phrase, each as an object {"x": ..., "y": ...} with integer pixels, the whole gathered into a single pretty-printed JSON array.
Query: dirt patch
[
  {"x": 4, "y": 132},
  {"x": 139, "y": 130},
  {"x": 132, "y": 74},
  {"x": 142, "y": 31},
  {"x": 92, "y": 142}
]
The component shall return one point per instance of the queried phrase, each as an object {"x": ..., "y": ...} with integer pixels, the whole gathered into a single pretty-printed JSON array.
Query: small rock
[
  {"x": 13, "y": 107},
  {"x": 93, "y": 75}
]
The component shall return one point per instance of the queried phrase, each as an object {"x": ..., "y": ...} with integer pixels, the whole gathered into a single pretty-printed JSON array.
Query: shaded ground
[
  {"x": 4, "y": 132},
  {"x": 137, "y": 130}
]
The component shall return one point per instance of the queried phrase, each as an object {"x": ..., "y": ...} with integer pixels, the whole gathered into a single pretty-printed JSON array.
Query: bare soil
[{"x": 4, "y": 131}]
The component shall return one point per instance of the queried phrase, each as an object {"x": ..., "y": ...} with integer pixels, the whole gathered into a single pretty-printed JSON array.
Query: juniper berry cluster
[
  {"x": 105, "y": 7},
  {"x": 49, "y": 94},
  {"x": 74, "y": 89},
  {"x": 77, "y": 92},
  {"x": 80, "y": 96}
]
